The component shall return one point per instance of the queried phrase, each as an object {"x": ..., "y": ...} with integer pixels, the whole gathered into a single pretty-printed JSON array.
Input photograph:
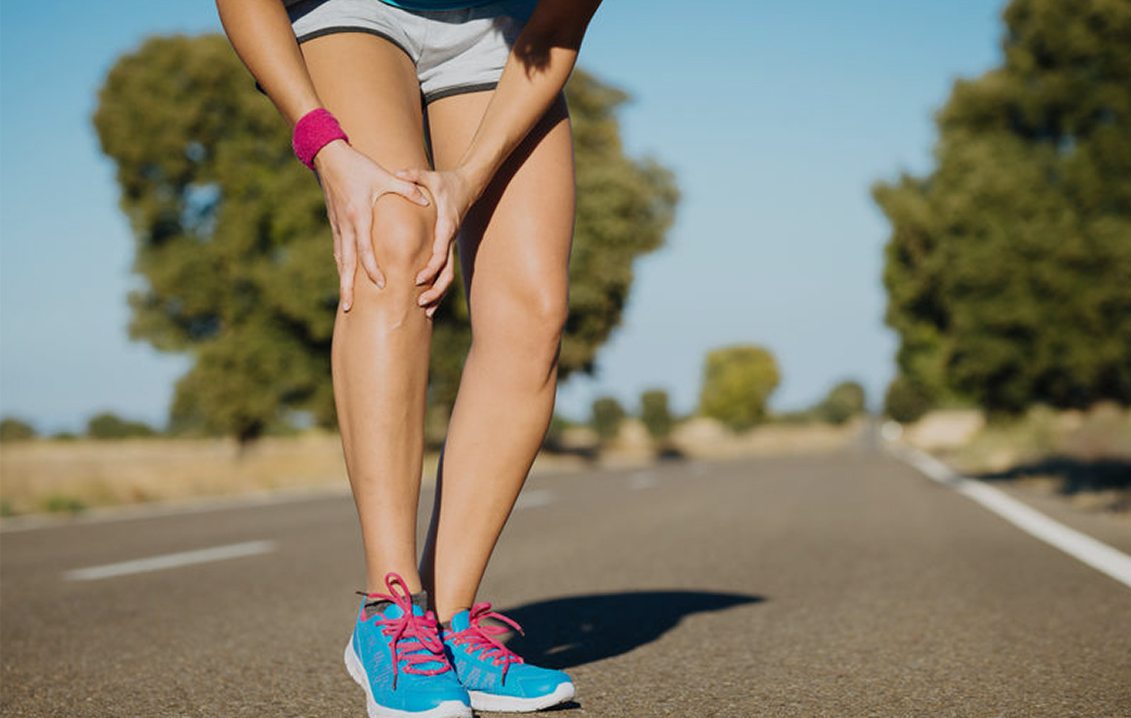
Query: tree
[
  {"x": 1009, "y": 266},
  {"x": 844, "y": 401},
  {"x": 655, "y": 414},
  {"x": 905, "y": 402},
  {"x": 737, "y": 383},
  {"x": 108, "y": 425},
  {"x": 13, "y": 429},
  {"x": 607, "y": 417},
  {"x": 233, "y": 243}
]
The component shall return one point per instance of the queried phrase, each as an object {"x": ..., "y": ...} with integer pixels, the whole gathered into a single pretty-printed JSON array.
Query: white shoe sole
[
  {"x": 510, "y": 704},
  {"x": 447, "y": 709}
]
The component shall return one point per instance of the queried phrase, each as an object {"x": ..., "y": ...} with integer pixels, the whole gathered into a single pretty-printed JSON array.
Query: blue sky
[{"x": 776, "y": 117}]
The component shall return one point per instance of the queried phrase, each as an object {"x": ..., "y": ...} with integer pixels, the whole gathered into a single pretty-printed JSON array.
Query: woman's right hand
[{"x": 352, "y": 182}]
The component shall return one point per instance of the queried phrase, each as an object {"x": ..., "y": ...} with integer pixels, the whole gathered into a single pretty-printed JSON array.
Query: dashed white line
[
  {"x": 534, "y": 499},
  {"x": 170, "y": 560},
  {"x": 1098, "y": 555}
]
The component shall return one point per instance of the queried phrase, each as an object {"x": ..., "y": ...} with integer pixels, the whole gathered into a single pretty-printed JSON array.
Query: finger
[
  {"x": 436, "y": 292},
  {"x": 411, "y": 174},
  {"x": 349, "y": 267},
  {"x": 363, "y": 228},
  {"x": 409, "y": 191},
  {"x": 444, "y": 282},
  {"x": 440, "y": 248}
]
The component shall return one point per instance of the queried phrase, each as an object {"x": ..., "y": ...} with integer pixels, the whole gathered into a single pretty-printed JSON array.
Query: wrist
[
  {"x": 326, "y": 155},
  {"x": 313, "y": 132},
  {"x": 475, "y": 176}
]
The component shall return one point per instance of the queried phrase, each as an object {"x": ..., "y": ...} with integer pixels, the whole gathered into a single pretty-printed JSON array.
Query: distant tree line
[
  {"x": 736, "y": 386},
  {"x": 104, "y": 425}
]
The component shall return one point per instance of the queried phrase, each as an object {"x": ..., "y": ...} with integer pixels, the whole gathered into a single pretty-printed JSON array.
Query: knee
[
  {"x": 535, "y": 319},
  {"x": 548, "y": 311},
  {"x": 401, "y": 237}
]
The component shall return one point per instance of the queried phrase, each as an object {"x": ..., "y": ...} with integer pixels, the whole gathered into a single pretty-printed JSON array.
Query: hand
[
  {"x": 352, "y": 183},
  {"x": 454, "y": 193}
]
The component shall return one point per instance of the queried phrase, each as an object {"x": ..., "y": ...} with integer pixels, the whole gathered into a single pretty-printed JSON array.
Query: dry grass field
[
  {"x": 44, "y": 475},
  {"x": 1082, "y": 456}
]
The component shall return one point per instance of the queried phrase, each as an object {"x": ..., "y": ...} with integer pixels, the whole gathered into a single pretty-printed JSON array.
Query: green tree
[
  {"x": 737, "y": 383},
  {"x": 108, "y": 425},
  {"x": 905, "y": 402},
  {"x": 607, "y": 417},
  {"x": 844, "y": 401},
  {"x": 13, "y": 429},
  {"x": 233, "y": 244},
  {"x": 655, "y": 414},
  {"x": 1009, "y": 266}
]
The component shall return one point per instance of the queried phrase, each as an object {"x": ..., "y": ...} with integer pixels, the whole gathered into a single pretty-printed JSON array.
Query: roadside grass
[
  {"x": 1082, "y": 455},
  {"x": 74, "y": 475}
]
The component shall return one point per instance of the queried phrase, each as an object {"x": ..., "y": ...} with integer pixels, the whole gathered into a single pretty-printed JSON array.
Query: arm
[
  {"x": 540, "y": 62},
  {"x": 261, "y": 34},
  {"x": 536, "y": 71}
]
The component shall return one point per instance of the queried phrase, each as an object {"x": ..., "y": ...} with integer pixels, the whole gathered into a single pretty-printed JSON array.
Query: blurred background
[
  {"x": 781, "y": 225},
  {"x": 820, "y": 248}
]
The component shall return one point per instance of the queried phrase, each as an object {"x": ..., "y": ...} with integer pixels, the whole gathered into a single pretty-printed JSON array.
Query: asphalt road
[{"x": 838, "y": 585}]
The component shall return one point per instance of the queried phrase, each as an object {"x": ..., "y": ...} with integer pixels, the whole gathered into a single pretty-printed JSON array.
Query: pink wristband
[{"x": 313, "y": 131}]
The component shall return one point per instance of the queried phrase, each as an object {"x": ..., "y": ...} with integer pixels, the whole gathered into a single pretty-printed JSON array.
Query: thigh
[
  {"x": 515, "y": 242},
  {"x": 370, "y": 85}
]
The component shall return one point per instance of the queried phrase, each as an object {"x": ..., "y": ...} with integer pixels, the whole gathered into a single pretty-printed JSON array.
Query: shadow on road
[
  {"x": 1076, "y": 475},
  {"x": 576, "y": 630}
]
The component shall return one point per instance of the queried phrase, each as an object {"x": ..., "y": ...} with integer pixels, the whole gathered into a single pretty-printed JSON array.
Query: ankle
[{"x": 445, "y": 616}]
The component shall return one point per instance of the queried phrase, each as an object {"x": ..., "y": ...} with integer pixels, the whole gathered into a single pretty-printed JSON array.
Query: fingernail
[
  {"x": 346, "y": 307},
  {"x": 422, "y": 301},
  {"x": 380, "y": 283}
]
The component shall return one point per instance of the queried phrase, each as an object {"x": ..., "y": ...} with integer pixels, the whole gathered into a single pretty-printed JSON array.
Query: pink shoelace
[
  {"x": 413, "y": 639},
  {"x": 481, "y": 636}
]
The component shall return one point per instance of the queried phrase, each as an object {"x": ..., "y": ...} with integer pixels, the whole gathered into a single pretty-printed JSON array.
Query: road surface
[{"x": 845, "y": 584}]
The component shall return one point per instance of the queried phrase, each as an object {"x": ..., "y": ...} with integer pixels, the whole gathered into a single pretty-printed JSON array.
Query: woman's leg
[
  {"x": 380, "y": 347},
  {"x": 514, "y": 250}
]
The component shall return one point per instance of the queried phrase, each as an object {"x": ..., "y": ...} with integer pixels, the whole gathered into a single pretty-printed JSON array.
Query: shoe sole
[
  {"x": 510, "y": 704},
  {"x": 447, "y": 709}
]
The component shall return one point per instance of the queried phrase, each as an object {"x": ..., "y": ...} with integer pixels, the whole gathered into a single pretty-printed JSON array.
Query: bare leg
[
  {"x": 514, "y": 250},
  {"x": 380, "y": 347}
]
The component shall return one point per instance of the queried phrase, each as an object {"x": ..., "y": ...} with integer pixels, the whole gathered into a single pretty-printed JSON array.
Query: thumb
[{"x": 411, "y": 192}]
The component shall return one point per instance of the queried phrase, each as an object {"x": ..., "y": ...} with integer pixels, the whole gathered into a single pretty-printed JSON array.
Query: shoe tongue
[
  {"x": 388, "y": 609},
  {"x": 461, "y": 621},
  {"x": 395, "y": 611}
]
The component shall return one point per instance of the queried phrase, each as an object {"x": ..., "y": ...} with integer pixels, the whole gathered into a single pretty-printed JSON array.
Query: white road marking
[
  {"x": 170, "y": 560},
  {"x": 534, "y": 498},
  {"x": 642, "y": 480},
  {"x": 1080, "y": 546}
]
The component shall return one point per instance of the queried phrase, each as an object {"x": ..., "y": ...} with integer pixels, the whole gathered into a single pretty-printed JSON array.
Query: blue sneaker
[
  {"x": 397, "y": 656},
  {"x": 496, "y": 678}
]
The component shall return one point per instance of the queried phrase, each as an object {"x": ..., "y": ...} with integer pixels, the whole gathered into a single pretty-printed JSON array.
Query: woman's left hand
[{"x": 453, "y": 193}]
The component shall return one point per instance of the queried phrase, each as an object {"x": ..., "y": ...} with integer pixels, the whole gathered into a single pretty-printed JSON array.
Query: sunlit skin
[{"x": 503, "y": 183}]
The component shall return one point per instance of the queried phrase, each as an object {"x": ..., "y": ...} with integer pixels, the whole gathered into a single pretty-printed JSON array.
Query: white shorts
[{"x": 454, "y": 51}]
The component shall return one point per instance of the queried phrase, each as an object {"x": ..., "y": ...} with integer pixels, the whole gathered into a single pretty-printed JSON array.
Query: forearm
[
  {"x": 261, "y": 34},
  {"x": 541, "y": 61}
]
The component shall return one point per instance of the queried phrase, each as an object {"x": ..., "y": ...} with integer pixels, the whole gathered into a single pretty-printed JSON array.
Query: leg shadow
[{"x": 576, "y": 630}]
